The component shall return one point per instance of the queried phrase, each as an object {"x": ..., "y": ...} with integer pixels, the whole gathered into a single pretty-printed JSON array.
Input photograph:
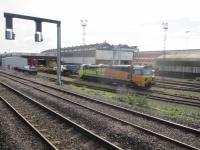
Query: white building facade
[{"x": 102, "y": 53}]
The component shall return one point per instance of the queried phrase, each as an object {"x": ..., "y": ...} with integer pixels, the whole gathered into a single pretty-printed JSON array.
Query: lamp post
[{"x": 9, "y": 34}]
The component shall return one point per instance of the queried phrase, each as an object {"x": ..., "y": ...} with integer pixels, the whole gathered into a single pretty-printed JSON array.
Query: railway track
[
  {"x": 165, "y": 97},
  {"x": 176, "y": 87},
  {"x": 45, "y": 140},
  {"x": 55, "y": 129},
  {"x": 16, "y": 132},
  {"x": 120, "y": 110},
  {"x": 182, "y": 83},
  {"x": 195, "y": 98},
  {"x": 162, "y": 96},
  {"x": 162, "y": 84}
]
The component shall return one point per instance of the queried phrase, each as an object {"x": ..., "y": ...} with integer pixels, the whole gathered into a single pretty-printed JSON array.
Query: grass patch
[
  {"x": 179, "y": 113},
  {"x": 138, "y": 101},
  {"x": 142, "y": 101},
  {"x": 130, "y": 99},
  {"x": 133, "y": 100},
  {"x": 97, "y": 92}
]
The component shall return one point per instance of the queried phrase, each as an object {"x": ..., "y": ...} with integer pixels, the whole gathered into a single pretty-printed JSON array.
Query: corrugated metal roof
[{"x": 181, "y": 57}]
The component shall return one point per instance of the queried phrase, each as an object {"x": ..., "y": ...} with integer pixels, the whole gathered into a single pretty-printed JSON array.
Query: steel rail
[
  {"x": 153, "y": 97},
  {"x": 104, "y": 103},
  {"x": 29, "y": 124},
  {"x": 136, "y": 126},
  {"x": 182, "y": 83},
  {"x": 114, "y": 90},
  {"x": 179, "y": 96},
  {"x": 176, "y": 87},
  {"x": 171, "y": 100},
  {"x": 138, "y": 92},
  {"x": 85, "y": 131}
]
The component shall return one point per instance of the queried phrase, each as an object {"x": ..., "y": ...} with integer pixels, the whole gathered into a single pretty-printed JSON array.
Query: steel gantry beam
[{"x": 9, "y": 34}]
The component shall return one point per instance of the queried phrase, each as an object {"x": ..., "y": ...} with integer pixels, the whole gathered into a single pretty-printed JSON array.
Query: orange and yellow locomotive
[{"x": 141, "y": 76}]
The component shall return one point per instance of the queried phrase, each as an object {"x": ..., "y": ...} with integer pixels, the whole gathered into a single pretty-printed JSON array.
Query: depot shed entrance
[{"x": 179, "y": 65}]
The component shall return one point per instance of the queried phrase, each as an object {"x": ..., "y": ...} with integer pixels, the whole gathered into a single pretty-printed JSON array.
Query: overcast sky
[{"x": 132, "y": 22}]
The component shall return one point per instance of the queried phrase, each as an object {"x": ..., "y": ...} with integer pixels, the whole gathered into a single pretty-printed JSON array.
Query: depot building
[{"x": 102, "y": 53}]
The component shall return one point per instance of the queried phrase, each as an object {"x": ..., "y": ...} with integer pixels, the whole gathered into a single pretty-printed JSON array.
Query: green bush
[
  {"x": 137, "y": 100},
  {"x": 197, "y": 79}
]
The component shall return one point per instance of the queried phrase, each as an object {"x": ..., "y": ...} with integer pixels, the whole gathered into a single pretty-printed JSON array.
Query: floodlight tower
[
  {"x": 165, "y": 27},
  {"x": 83, "y": 24},
  {"x": 187, "y": 39}
]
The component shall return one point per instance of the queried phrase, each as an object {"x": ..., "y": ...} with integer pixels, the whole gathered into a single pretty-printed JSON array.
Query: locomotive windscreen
[{"x": 147, "y": 71}]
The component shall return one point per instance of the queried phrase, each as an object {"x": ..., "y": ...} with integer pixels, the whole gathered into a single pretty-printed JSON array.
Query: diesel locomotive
[{"x": 140, "y": 76}]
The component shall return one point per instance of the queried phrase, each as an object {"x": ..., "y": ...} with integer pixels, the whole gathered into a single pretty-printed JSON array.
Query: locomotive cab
[{"x": 143, "y": 76}]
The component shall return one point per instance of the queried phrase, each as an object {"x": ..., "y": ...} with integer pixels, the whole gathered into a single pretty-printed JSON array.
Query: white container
[{"x": 11, "y": 62}]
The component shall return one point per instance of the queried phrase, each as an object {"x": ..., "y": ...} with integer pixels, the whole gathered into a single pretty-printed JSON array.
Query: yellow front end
[
  {"x": 137, "y": 80},
  {"x": 148, "y": 80},
  {"x": 143, "y": 80}
]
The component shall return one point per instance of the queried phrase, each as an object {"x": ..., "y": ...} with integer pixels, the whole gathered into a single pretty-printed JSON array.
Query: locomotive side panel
[{"x": 116, "y": 73}]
